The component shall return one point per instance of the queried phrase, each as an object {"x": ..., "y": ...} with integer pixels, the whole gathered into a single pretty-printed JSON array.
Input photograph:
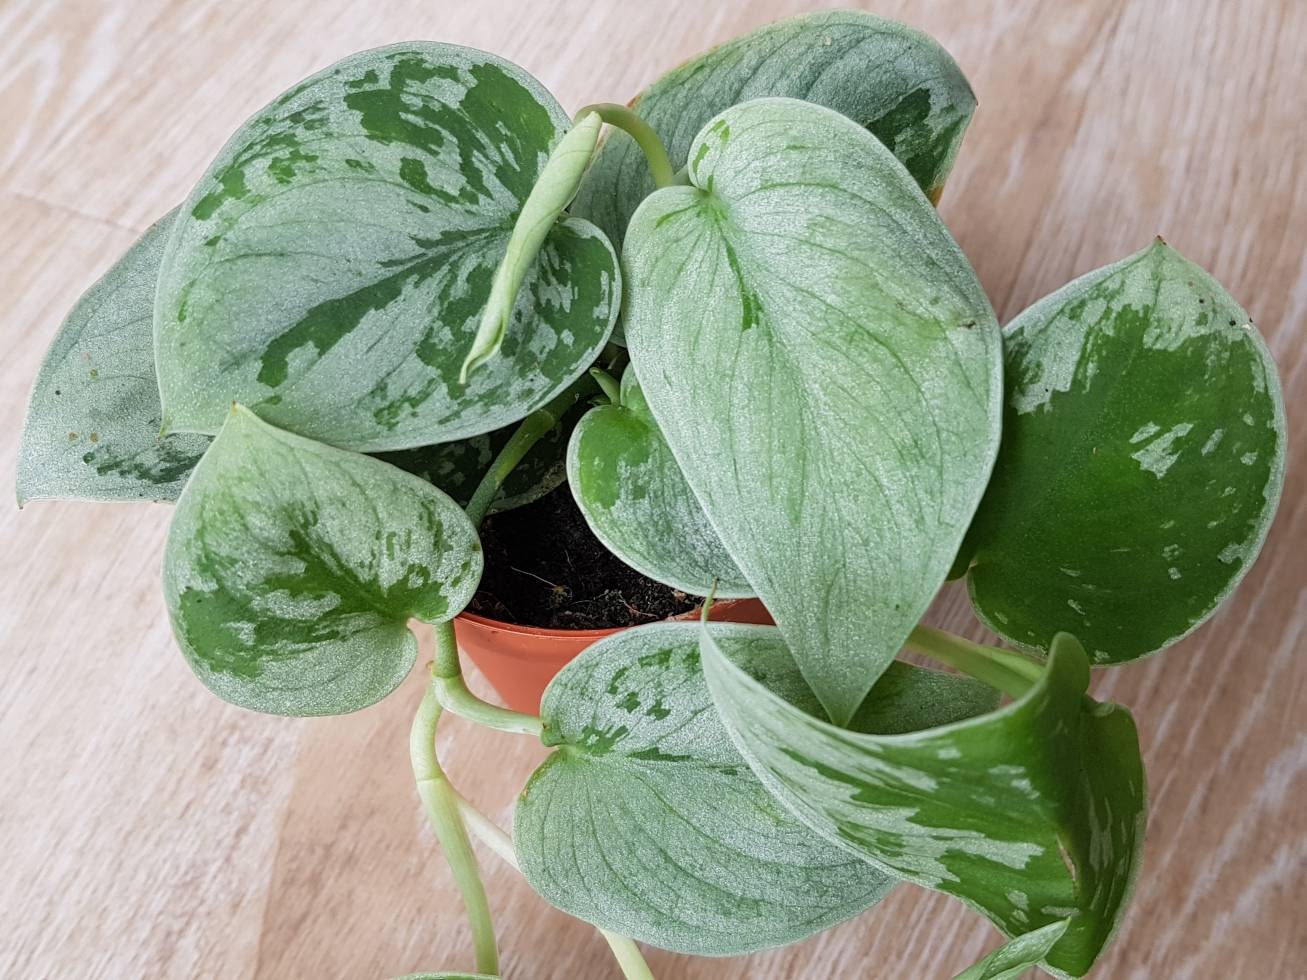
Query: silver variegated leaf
[
  {"x": 332, "y": 266},
  {"x": 292, "y": 569},
  {"x": 1141, "y": 465},
  {"x": 646, "y": 821},
  {"x": 92, "y": 428},
  {"x": 1031, "y": 814},
  {"x": 825, "y": 368},
  {"x": 635, "y": 499}
]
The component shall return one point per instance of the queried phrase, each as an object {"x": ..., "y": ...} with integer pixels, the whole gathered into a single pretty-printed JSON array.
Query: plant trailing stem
[
  {"x": 454, "y": 696},
  {"x": 1011, "y": 673},
  {"x": 625, "y": 119},
  {"x": 442, "y": 806}
]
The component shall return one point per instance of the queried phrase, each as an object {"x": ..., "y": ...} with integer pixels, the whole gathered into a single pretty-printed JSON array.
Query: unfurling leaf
[
  {"x": 1141, "y": 464},
  {"x": 635, "y": 499},
  {"x": 553, "y": 191},
  {"x": 826, "y": 370},
  {"x": 1018, "y": 955},
  {"x": 331, "y": 267},
  {"x": 1031, "y": 814},
  {"x": 894, "y": 81},
  {"x": 647, "y": 821},
  {"x": 92, "y": 429},
  {"x": 292, "y": 569}
]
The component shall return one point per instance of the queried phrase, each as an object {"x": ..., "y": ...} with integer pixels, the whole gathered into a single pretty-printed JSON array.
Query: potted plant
[{"x": 411, "y": 299}]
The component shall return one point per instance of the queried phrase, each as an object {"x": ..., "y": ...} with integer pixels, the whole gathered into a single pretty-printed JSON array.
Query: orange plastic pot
[{"x": 520, "y": 661}]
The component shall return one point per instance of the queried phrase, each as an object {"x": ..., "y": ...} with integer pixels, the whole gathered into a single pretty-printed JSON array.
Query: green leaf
[
  {"x": 1142, "y": 461},
  {"x": 647, "y": 822},
  {"x": 331, "y": 267},
  {"x": 635, "y": 499},
  {"x": 826, "y": 370},
  {"x": 92, "y": 429},
  {"x": 1017, "y": 955},
  {"x": 457, "y": 467},
  {"x": 1031, "y": 814},
  {"x": 896, "y": 82},
  {"x": 292, "y": 569},
  {"x": 447, "y": 976}
]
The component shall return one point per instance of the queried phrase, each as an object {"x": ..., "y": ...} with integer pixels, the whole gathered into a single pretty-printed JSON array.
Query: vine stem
[
  {"x": 442, "y": 806},
  {"x": 454, "y": 696},
  {"x": 1011, "y": 673},
  {"x": 533, "y": 428},
  {"x": 625, "y": 119},
  {"x": 625, "y": 951}
]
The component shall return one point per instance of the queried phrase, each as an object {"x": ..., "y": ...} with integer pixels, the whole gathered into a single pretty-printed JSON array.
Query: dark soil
[{"x": 544, "y": 567}]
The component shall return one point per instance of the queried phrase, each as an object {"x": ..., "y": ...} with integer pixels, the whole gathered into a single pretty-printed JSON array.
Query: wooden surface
[{"x": 148, "y": 830}]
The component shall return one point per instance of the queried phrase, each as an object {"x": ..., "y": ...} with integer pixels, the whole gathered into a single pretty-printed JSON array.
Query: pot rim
[{"x": 499, "y": 626}]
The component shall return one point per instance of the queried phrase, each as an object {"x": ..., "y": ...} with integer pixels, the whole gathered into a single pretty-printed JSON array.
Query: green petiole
[
  {"x": 1009, "y": 672},
  {"x": 442, "y": 806}
]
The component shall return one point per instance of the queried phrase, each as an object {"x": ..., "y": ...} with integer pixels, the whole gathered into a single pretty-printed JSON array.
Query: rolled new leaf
[
  {"x": 646, "y": 821},
  {"x": 292, "y": 569},
  {"x": 331, "y": 268},
  {"x": 895, "y": 82},
  {"x": 825, "y": 368},
  {"x": 1141, "y": 464},
  {"x": 92, "y": 427},
  {"x": 1017, "y": 955},
  {"x": 636, "y": 501},
  {"x": 1031, "y": 814}
]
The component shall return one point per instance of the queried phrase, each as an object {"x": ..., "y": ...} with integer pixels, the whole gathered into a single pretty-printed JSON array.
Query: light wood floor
[{"x": 148, "y": 830}]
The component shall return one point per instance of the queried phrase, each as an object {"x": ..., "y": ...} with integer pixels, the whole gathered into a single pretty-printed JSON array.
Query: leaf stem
[
  {"x": 533, "y": 428},
  {"x": 441, "y": 803},
  {"x": 1011, "y": 673},
  {"x": 452, "y": 692},
  {"x": 629, "y": 122}
]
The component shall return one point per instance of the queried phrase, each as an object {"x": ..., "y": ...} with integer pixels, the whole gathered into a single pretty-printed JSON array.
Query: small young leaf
[
  {"x": 647, "y": 822},
  {"x": 1141, "y": 464},
  {"x": 92, "y": 429},
  {"x": 896, "y": 82},
  {"x": 827, "y": 372},
  {"x": 292, "y": 569},
  {"x": 447, "y": 976},
  {"x": 1017, "y": 955},
  {"x": 635, "y": 499},
  {"x": 1031, "y": 814},
  {"x": 457, "y": 467},
  {"x": 331, "y": 268}
]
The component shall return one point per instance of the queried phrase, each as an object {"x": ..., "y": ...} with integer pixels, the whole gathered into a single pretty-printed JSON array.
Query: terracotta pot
[{"x": 519, "y": 661}]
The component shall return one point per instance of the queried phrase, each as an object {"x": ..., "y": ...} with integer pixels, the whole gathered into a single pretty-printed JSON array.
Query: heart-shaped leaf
[
  {"x": 647, "y": 822},
  {"x": 635, "y": 499},
  {"x": 292, "y": 569},
  {"x": 457, "y": 467},
  {"x": 331, "y": 268},
  {"x": 826, "y": 369},
  {"x": 1018, "y": 955},
  {"x": 92, "y": 429},
  {"x": 1031, "y": 814},
  {"x": 1141, "y": 464},
  {"x": 896, "y": 82}
]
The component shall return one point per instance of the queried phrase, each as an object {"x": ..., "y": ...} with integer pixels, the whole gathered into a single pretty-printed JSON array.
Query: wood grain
[{"x": 148, "y": 830}]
